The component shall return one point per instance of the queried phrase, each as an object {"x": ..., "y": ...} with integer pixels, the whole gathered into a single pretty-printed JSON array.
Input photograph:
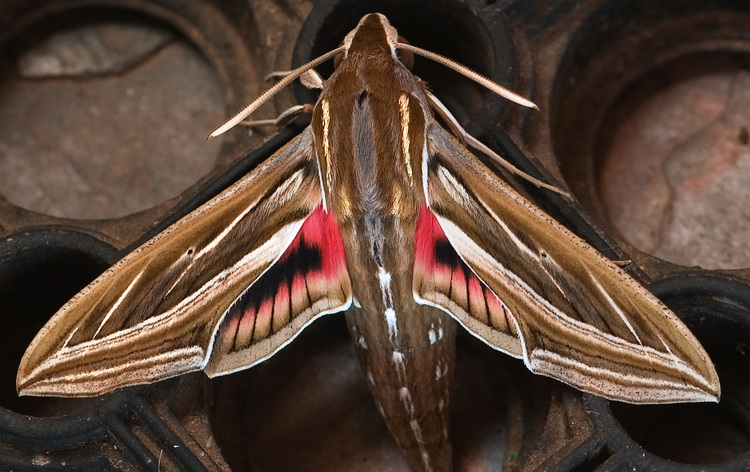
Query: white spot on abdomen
[
  {"x": 406, "y": 400},
  {"x": 390, "y": 318},
  {"x": 384, "y": 279}
]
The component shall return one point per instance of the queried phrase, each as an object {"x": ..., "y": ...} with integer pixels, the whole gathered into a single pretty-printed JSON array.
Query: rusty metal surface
[{"x": 104, "y": 109}]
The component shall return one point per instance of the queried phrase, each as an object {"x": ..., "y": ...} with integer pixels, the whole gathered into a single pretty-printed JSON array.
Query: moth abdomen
[{"x": 411, "y": 385}]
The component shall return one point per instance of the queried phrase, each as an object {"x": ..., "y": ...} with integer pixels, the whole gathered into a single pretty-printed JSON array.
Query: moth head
[
  {"x": 373, "y": 29},
  {"x": 373, "y": 33}
]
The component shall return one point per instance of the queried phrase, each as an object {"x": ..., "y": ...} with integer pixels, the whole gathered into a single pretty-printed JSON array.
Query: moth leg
[
  {"x": 473, "y": 142},
  {"x": 309, "y": 79},
  {"x": 286, "y": 80},
  {"x": 283, "y": 119}
]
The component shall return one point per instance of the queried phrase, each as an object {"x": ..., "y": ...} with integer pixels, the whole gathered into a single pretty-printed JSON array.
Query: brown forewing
[
  {"x": 153, "y": 314},
  {"x": 580, "y": 318}
]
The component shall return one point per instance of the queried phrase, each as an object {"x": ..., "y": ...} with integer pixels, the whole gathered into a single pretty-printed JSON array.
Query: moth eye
[
  {"x": 190, "y": 251},
  {"x": 406, "y": 57}
]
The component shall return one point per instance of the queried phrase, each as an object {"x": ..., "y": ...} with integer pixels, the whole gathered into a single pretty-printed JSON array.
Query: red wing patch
[
  {"x": 310, "y": 279},
  {"x": 442, "y": 278}
]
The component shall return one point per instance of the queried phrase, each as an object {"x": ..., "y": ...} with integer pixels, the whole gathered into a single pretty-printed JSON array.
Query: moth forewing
[
  {"x": 154, "y": 314},
  {"x": 580, "y": 318}
]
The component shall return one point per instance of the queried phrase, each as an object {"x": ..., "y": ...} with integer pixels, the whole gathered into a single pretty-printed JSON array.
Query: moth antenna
[
  {"x": 466, "y": 72},
  {"x": 236, "y": 119},
  {"x": 471, "y": 141}
]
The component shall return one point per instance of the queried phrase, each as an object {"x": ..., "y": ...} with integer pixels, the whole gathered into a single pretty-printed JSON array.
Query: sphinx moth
[{"x": 377, "y": 210}]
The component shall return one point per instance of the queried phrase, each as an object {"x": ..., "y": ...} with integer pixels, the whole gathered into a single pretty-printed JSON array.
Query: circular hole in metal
[
  {"x": 463, "y": 32},
  {"x": 38, "y": 275},
  {"x": 313, "y": 404},
  {"x": 104, "y": 113},
  {"x": 496, "y": 406},
  {"x": 674, "y": 161},
  {"x": 631, "y": 80},
  {"x": 717, "y": 311},
  {"x": 309, "y": 406}
]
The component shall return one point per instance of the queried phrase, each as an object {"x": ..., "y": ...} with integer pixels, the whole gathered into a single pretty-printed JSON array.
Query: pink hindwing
[{"x": 309, "y": 280}]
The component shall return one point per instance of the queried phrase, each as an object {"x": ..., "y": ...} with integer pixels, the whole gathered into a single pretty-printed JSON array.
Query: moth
[{"x": 378, "y": 210}]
